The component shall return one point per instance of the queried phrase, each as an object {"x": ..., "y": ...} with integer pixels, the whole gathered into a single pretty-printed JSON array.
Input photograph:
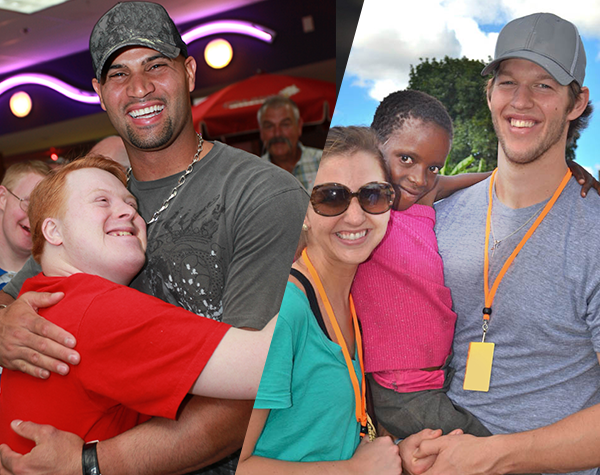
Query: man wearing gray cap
[
  {"x": 222, "y": 230},
  {"x": 526, "y": 288}
]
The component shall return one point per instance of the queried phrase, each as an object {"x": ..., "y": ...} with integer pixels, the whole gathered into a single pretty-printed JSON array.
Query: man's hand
[
  {"x": 30, "y": 343},
  {"x": 55, "y": 452},
  {"x": 410, "y": 464},
  {"x": 456, "y": 454}
]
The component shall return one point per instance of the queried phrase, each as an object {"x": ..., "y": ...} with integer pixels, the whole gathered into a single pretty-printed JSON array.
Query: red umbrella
[{"x": 232, "y": 110}]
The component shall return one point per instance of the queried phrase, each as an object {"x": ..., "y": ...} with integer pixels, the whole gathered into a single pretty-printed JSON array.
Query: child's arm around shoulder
[{"x": 447, "y": 185}]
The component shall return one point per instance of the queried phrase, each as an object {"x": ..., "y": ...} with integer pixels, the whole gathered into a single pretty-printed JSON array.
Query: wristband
[{"x": 89, "y": 459}]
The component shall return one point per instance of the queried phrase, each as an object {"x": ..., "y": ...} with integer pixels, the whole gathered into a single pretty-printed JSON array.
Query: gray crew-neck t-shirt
[{"x": 546, "y": 313}]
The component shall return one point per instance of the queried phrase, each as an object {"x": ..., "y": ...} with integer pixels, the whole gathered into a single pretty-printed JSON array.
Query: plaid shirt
[
  {"x": 306, "y": 168},
  {"x": 5, "y": 279}
]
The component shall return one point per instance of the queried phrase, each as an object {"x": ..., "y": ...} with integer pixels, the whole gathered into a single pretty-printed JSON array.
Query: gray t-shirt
[
  {"x": 225, "y": 245},
  {"x": 546, "y": 313}
]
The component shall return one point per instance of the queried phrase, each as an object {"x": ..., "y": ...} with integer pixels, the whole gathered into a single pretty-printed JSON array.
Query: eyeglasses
[
  {"x": 333, "y": 199},
  {"x": 23, "y": 202}
]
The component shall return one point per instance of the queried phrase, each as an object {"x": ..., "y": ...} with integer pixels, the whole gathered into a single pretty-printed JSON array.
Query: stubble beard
[
  {"x": 153, "y": 142},
  {"x": 552, "y": 136}
]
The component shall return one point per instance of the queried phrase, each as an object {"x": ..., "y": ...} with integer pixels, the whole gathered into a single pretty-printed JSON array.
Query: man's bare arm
[
  {"x": 568, "y": 445},
  {"x": 5, "y": 299},
  {"x": 30, "y": 343},
  {"x": 206, "y": 431}
]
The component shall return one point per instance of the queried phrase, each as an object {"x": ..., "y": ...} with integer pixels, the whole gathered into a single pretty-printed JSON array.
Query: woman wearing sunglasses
[{"x": 310, "y": 412}]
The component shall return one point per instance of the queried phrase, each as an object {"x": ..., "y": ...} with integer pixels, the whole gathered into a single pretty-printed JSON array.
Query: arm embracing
[
  {"x": 207, "y": 430},
  {"x": 447, "y": 185},
  {"x": 235, "y": 368},
  {"x": 28, "y": 342}
]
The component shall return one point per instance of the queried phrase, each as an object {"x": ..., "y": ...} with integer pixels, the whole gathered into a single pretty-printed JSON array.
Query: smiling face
[
  {"x": 15, "y": 223},
  {"x": 100, "y": 231},
  {"x": 347, "y": 239},
  {"x": 280, "y": 131},
  {"x": 147, "y": 96},
  {"x": 529, "y": 111},
  {"x": 415, "y": 153}
]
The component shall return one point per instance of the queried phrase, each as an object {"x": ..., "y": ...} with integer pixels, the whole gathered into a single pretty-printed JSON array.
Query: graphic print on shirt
[{"x": 184, "y": 266}]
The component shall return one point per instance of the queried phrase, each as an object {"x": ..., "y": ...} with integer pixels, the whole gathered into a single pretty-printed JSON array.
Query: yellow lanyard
[
  {"x": 491, "y": 293},
  {"x": 359, "y": 393}
]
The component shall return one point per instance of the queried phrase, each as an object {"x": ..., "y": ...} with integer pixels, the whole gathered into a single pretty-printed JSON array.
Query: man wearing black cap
[
  {"x": 222, "y": 226},
  {"x": 526, "y": 288}
]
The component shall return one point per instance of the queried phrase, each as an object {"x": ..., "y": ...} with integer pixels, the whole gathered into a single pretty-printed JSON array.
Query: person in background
[
  {"x": 15, "y": 234},
  {"x": 280, "y": 127},
  {"x": 112, "y": 147},
  {"x": 223, "y": 227}
]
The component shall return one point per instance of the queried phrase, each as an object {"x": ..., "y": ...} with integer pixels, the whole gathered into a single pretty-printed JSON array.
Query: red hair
[{"x": 48, "y": 197}]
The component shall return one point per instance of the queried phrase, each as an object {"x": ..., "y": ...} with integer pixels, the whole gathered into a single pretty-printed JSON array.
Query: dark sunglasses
[{"x": 333, "y": 199}]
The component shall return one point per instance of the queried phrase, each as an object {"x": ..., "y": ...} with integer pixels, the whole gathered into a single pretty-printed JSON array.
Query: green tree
[{"x": 458, "y": 84}]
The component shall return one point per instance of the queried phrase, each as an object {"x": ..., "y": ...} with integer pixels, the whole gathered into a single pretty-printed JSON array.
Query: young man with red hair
[{"x": 91, "y": 241}]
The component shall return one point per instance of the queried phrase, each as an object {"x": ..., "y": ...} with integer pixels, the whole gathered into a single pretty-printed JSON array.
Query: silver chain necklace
[
  {"x": 180, "y": 183},
  {"x": 498, "y": 241}
]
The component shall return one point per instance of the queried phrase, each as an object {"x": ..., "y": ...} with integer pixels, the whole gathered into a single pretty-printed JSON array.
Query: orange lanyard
[
  {"x": 490, "y": 294},
  {"x": 359, "y": 393}
]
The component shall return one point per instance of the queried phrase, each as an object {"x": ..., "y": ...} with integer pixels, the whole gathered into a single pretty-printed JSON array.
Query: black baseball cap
[{"x": 134, "y": 24}]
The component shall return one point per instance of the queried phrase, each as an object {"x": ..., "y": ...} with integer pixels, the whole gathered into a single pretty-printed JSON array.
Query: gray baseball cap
[
  {"x": 134, "y": 24},
  {"x": 548, "y": 41}
]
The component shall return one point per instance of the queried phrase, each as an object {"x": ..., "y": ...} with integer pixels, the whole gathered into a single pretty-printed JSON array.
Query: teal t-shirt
[{"x": 306, "y": 386}]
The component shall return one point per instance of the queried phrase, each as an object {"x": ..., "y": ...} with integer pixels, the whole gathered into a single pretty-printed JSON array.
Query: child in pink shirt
[{"x": 404, "y": 307}]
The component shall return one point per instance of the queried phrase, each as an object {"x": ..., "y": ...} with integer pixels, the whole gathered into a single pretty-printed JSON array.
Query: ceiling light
[
  {"x": 20, "y": 104},
  {"x": 218, "y": 53},
  {"x": 28, "y": 6}
]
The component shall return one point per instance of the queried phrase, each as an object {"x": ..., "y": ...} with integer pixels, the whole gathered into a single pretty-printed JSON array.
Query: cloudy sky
[{"x": 393, "y": 34}]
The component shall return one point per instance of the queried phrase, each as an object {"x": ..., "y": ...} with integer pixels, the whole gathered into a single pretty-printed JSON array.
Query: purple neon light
[
  {"x": 229, "y": 26},
  {"x": 52, "y": 83},
  {"x": 213, "y": 28}
]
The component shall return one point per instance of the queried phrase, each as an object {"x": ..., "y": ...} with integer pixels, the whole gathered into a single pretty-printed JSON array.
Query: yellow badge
[{"x": 479, "y": 366}]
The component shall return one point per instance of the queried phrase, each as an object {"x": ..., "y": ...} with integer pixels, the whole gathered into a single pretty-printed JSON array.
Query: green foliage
[{"x": 458, "y": 84}]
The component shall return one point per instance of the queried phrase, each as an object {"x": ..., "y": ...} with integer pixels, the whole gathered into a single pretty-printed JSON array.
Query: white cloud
[{"x": 392, "y": 35}]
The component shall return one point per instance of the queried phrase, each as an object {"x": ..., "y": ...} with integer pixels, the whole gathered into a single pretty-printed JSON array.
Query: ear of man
[
  {"x": 190, "y": 69},
  {"x": 3, "y": 195},
  {"x": 51, "y": 231},
  {"x": 581, "y": 103},
  {"x": 96, "y": 86}
]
